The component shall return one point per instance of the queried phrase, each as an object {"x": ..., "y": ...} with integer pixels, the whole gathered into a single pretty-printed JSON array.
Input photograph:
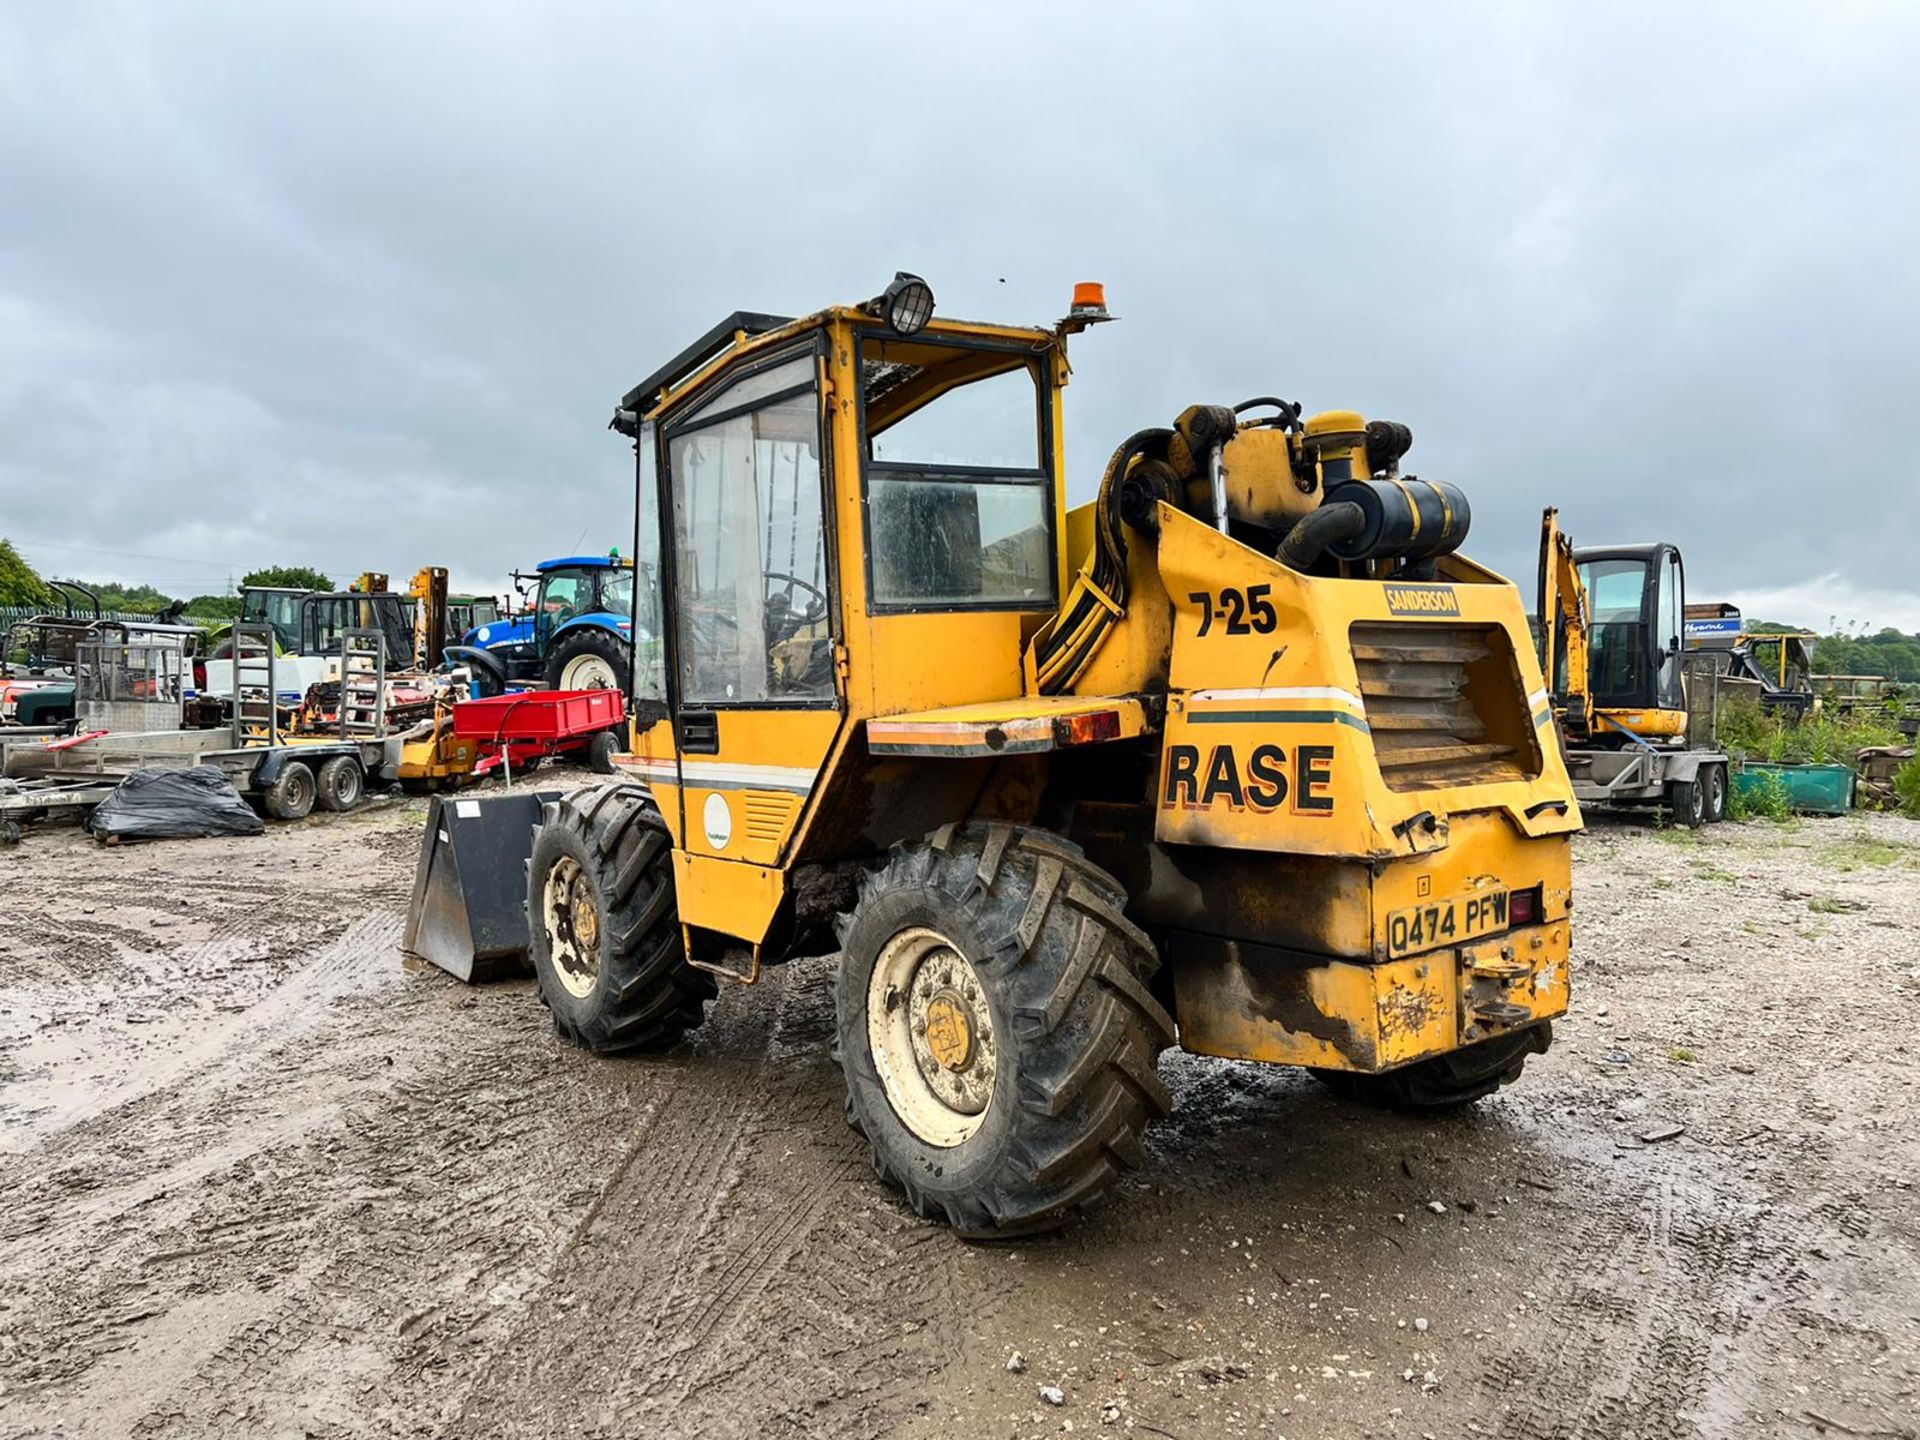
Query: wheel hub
[
  {"x": 572, "y": 918},
  {"x": 932, "y": 1038},
  {"x": 950, "y": 1031},
  {"x": 588, "y": 672}
]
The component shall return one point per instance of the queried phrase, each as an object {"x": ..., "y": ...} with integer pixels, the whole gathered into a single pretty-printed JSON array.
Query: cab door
[
  {"x": 1669, "y": 632},
  {"x": 755, "y": 688}
]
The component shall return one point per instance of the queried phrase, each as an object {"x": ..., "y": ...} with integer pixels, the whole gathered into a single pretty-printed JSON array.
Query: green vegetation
[
  {"x": 1890, "y": 653},
  {"x": 1750, "y": 733},
  {"x": 1681, "y": 1055},
  {"x": 1766, "y": 799},
  {"x": 1827, "y": 905},
  {"x": 1858, "y": 850},
  {"x": 288, "y": 577},
  {"x": 19, "y": 584},
  {"x": 1906, "y": 785}
]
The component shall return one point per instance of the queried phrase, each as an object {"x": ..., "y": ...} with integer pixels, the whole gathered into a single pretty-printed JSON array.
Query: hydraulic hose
[
  {"x": 1310, "y": 536},
  {"x": 1099, "y": 593}
]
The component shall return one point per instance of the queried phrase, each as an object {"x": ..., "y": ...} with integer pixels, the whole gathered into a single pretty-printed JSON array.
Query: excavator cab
[{"x": 1636, "y": 595}]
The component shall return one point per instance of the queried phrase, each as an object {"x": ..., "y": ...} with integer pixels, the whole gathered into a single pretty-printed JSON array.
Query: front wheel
[
  {"x": 291, "y": 795},
  {"x": 1446, "y": 1082},
  {"x": 604, "y": 930},
  {"x": 1687, "y": 804},
  {"x": 996, "y": 1030}
]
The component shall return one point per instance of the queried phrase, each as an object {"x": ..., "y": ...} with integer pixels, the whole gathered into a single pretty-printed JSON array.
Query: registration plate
[{"x": 1446, "y": 922}]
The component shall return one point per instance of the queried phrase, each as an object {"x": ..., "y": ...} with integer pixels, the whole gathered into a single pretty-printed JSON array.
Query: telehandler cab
[{"x": 1243, "y": 755}]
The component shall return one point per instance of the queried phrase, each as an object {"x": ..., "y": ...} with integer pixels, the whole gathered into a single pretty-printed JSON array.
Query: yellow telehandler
[{"x": 1243, "y": 755}]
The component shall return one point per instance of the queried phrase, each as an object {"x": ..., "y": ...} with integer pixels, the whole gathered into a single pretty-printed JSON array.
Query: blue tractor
[{"x": 577, "y": 634}]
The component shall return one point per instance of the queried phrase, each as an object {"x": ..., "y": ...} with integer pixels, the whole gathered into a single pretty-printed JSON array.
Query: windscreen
[{"x": 1617, "y": 607}]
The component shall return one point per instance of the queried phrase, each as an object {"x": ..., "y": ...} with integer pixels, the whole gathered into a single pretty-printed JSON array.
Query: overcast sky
[{"x": 358, "y": 285}]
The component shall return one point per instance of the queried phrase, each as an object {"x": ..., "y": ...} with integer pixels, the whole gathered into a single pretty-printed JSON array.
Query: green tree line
[
  {"x": 1891, "y": 653},
  {"x": 20, "y": 584}
]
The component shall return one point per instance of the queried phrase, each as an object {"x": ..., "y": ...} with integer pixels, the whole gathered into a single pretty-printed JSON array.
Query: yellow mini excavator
[
  {"x": 1242, "y": 756},
  {"x": 1636, "y": 719}
]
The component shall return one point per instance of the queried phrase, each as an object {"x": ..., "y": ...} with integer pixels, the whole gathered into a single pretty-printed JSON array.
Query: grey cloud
[{"x": 360, "y": 285}]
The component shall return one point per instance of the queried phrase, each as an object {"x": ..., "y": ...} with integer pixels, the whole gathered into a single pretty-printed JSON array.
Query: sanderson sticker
[{"x": 1422, "y": 600}]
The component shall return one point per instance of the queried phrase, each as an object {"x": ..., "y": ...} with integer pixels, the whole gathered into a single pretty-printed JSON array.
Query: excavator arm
[{"x": 1563, "y": 629}]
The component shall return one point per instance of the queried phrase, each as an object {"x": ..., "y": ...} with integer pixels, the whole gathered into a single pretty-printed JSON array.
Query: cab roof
[
  {"x": 745, "y": 329},
  {"x": 604, "y": 562}
]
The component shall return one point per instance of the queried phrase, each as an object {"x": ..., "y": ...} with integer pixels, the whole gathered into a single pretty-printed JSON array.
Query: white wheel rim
[
  {"x": 931, "y": 1036},
  {"x": 586, "y": 672},
  {"x": 572, "y": 918}
]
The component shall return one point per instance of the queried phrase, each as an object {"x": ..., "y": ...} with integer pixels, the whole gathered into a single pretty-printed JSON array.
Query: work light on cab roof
[{"x": 906, "y": 304}]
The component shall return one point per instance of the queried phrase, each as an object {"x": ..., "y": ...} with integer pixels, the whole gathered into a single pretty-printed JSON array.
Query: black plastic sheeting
[{"x": 157, "y": 804}]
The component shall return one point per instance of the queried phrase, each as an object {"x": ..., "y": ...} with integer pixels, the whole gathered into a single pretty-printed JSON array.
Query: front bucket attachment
[{"x": 469, "y": 913}]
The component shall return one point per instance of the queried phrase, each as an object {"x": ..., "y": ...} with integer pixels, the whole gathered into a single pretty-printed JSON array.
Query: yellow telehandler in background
[{"x": 1243, "y": 755}]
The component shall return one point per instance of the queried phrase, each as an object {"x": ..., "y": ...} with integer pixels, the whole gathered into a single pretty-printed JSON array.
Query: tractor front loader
[{"x": 1242, "y": 756}]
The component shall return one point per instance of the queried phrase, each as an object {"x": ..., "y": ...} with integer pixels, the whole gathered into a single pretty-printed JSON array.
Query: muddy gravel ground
[{"x": 260, "y": 1176}]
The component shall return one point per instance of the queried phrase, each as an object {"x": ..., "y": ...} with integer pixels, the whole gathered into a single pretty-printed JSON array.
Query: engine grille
[{"x": 1428, "y": 689}]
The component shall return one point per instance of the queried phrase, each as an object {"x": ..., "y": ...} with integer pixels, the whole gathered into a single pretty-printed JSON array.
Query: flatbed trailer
[
  {"x": 1650, "y": 774},
  {"x": 285, "y": 780}
]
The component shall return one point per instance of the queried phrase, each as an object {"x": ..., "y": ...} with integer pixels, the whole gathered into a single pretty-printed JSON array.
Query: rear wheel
[
  {"x": 996, "y": 1030},
  {"x": 1686, "y": 803},
  {"x": 590, "y": 659},
  {"x": 605, "y": 933},
  {"x": 291, "y": 795},
  {"x": 1714, "y": 805},
  {"x": 340, "y": 783},
  {"x": 1445, "y": 1082}
]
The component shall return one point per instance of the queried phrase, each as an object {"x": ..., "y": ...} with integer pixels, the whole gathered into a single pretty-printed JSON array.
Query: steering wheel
[{"x": 816, "y": 610}]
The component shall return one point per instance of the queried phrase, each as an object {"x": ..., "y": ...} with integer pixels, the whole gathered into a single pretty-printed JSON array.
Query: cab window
[
  {"x": 616, "y": 592},
  {"x": 959, "y": 494},
  {"x": 565, "y": 594},
  {"x": 750, "y": 543},
  {"x": 643, "y": 582}
]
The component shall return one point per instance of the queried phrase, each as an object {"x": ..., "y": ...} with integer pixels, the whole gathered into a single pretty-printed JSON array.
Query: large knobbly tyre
[
  {"x": 1448, "y": 1081},
  {"x": 605, "y": 934},
  {"x": 590, "y": 659},
  {"x": 995, "y": 1028}
]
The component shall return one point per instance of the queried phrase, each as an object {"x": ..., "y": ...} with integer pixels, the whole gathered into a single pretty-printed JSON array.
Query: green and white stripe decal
[{"x": 1279, "y": 705}]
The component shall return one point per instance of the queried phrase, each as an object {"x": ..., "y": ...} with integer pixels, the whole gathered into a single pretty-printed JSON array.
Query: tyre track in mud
[
  {"x": 369, "y": 1201},
  {"x": 750, "y": 1270}
]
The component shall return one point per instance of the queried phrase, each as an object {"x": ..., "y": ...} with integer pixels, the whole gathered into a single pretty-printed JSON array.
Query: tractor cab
[
  {"x": 1636, "y": 597},
  {"x": 576, "y": 632},
  {"x": 325, "y": 619},
  {"x": 275, "y": 606}
]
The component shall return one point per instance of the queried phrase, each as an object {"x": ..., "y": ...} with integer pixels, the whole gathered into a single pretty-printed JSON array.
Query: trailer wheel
[
  {"x": 340, "y": 783},
  {"x": 995, "y": 1028},
  {"x": 292, "y": 794},
  {"x": 1714, "y": 806},
  {"x": 1446, "y": 1082},
  {"x": 602, "y": 749},
  {"x": 604, "y": 930},
  {"x": 1686, "y": 803}
]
